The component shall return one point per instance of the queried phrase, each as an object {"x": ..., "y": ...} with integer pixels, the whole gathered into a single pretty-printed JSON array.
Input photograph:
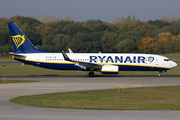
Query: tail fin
[{"x": 20, "y": 42}]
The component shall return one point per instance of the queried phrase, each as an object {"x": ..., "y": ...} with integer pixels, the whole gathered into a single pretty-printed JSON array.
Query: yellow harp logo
[{"x": 18, "y": 40}]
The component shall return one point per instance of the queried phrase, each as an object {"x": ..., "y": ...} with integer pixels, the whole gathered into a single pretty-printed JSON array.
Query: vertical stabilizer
[{"x": 20, "y": 42}]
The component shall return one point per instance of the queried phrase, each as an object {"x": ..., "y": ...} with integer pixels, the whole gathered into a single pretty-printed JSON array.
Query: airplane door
[
  {"x": 37, "y": 60},
  {"x": 157, "y": 61}
]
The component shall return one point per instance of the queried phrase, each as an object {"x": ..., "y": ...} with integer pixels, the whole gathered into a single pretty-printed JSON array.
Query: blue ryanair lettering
[
  {"x": 93, "y": 58},
  {"x": 109, "y": 59},
  {"x": 141, "y": 58},
  {"x": 118, "y": 59},
  {"x": 134, "y": 59},
  {"x": 128, "y": 59},
  {"x": 101, "y": 58}
]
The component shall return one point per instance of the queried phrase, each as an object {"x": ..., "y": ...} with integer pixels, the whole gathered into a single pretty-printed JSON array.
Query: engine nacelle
[{"x": 110, "y": 69}]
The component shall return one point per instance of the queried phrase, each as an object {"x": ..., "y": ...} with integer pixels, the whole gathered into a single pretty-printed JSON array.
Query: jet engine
[{"x": 110, "y": 69}]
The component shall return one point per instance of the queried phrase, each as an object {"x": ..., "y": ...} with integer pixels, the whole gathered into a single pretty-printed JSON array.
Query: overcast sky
[{"x": 82, "y": 10}]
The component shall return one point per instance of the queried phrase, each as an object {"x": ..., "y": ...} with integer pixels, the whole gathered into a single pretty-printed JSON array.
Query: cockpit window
[{"x": 166, "y": 59}]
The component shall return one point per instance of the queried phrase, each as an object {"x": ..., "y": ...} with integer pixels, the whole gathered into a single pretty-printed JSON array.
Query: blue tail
[{"x": 20, "y": 42}]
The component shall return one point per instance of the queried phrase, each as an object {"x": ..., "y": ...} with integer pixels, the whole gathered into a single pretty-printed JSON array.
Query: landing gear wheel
[
  {"x": 159, "y": 74},
  {"x": 91, "y": 74}
]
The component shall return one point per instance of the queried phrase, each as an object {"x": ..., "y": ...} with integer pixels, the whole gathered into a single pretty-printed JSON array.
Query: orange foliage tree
[
  {"x": 146, "y": 45},
  {"x": 160, "y": 45},
  {"x": 168, "y": 44},
  {"x": 135, "y": 27}
]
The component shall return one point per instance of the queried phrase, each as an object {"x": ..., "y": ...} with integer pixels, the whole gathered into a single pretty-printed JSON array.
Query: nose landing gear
[
  {"x": 159, "y": 74},
  {"x": 91, "y": 74}
]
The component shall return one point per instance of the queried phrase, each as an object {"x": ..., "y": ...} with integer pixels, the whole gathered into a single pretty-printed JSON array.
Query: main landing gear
[
  {"x": 159, "y": 74},
  {"x": 91, "y": 74}
]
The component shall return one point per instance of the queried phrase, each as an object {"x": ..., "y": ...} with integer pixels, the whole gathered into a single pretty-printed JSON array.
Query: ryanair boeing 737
[{"x": 106, "y": 63}]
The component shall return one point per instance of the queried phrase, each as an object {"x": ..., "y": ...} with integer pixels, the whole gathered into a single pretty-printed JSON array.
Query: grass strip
[
  {"x": 151, "y": 98},
  {"x": 7, "y": 60},
  {"x": 17, "y": 81}
]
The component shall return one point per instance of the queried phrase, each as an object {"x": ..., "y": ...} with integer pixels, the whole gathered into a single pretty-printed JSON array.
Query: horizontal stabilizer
[{"x": 16, "y": 55}]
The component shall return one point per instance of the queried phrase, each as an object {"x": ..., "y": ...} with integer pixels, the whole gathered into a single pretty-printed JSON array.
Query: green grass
[
  {"x": 17, "y": 81},
  {"x": 152, "y": 98},
  {"x": 7, "y": 60},
  {"x": 11, "y": 70},
  {"x": 28, "y": 70}
]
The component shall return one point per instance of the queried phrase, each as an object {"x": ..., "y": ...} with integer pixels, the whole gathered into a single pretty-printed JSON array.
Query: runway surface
[{"x": 52, "y": 84}]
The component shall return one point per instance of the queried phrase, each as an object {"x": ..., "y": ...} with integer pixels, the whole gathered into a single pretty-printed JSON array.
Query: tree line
[{"x": 123, "y": 35}]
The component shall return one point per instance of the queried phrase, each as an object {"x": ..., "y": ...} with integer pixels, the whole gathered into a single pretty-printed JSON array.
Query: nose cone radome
[{"x": 173, "y": 64}]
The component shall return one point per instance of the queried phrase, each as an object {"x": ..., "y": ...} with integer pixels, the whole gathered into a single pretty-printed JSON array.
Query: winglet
[
  {"x": 70, "y": 51},
  {"x": 65, "y": 56}
]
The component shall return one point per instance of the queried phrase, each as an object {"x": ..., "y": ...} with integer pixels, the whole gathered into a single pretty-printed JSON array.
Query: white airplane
[{"x": 106, "y": 63}]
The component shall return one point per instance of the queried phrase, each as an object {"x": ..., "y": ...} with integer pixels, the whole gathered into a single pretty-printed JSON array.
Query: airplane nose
[{"x": 173, "y": 64}]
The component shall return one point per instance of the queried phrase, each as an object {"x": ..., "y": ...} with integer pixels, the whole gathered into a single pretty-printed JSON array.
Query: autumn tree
[
  {"x": 160, "y": 45},
  {"x": 165, "y": 45},
  {"x": 135, "y": 27},
  {"x": 146, "y": 45}
]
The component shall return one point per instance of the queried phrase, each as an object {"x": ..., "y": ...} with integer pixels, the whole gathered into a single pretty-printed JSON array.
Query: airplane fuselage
[{"x": 133, "y": 62}]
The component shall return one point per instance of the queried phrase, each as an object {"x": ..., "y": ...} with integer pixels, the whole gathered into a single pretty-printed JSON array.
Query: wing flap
[{"x": 89, "y": 65}]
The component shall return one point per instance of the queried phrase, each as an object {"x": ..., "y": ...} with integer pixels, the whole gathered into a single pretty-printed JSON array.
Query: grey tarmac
[{"x": 52, "y": 84}]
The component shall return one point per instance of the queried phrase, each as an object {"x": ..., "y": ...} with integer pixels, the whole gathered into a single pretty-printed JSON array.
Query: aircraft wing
[
  {"x": 85, "y": 64},
  {"x": 89, "y": 65}
]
